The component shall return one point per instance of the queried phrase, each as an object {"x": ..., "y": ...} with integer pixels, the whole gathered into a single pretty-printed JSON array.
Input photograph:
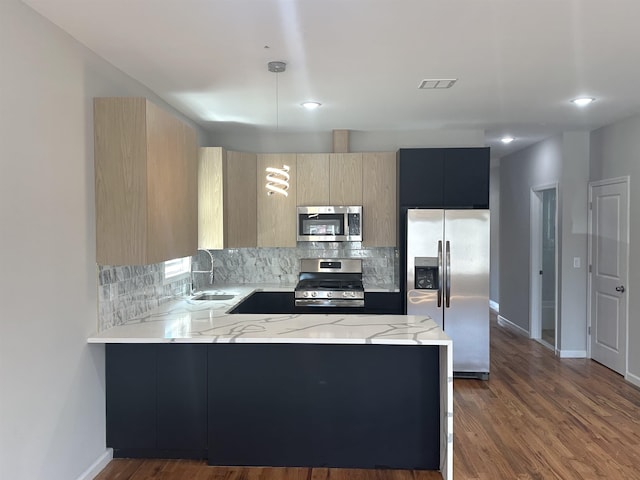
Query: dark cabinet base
[
  {"x": 158, "y": 453},
  {"x": 376, "y": 303},
  {"x": 348, "y": 406},
  {"x": 156, "y": 397}
]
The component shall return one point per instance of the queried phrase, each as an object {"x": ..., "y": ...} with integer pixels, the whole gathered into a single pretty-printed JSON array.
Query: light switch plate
[{"x": 576, "y": 262}]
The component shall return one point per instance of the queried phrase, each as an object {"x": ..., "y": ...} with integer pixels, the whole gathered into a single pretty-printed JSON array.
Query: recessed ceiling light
[
  {"x": 507, "y": 139},
  {"x": 311, "y": 105},
  {"x": 582, "y": 101}
]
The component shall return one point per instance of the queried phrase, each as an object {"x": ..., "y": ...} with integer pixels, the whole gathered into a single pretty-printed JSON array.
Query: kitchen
[
  {"x": 50, "y": 377},
  {"x": 330, "y": 284}
]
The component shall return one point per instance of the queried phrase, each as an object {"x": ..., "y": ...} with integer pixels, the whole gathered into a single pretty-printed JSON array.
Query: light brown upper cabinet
[
  {"x": 146, "y": 183},
  {"x": 276, "y": 213},
  {"x": 379, "y": 200},
  {"x": 329, "y": 179},
  {"x": 345, "y": 185},
  {"x": 312, "y": 179},
  {"x": 227, "y": 208}
]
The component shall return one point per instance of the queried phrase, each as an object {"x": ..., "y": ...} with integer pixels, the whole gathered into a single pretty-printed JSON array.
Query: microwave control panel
[{"x": 354, "y": 223}]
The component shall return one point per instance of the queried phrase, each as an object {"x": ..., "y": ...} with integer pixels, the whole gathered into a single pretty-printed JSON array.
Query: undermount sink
[{"x": 213, "y": 296}]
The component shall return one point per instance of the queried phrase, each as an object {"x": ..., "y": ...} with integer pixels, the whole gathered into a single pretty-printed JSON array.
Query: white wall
[
  {"x": 564, "y": 160},
  {"x": 494, "y": 206},
  {"x": 573, "y": 221},
  {"x": 52, "y": 407},
  {"x": 247, "y": 139},
  {"x": 537, "y": 165},
  {"x": 615, "y": 152}
]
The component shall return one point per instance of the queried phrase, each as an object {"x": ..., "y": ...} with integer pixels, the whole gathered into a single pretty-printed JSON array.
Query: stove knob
[
  {"x": 306, "y": 294},
  {"x": 313, "y": 294},
  {"x": 345, "y": 294},
  {"x": 329, "y": 294},
  {"x": 353, "y": 294}
]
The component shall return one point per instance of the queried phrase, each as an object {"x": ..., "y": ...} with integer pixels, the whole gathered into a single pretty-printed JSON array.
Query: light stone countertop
[
  {"x": 183, "y": 320},
  {"x": 197, "y": 321}
]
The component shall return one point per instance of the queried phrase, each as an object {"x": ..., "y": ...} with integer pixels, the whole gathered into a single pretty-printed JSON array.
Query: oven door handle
[{"x": 329, "y": 303}]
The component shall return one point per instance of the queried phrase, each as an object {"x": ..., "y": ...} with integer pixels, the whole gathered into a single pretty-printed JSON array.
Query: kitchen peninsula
[{"x": 361, "y": 391}]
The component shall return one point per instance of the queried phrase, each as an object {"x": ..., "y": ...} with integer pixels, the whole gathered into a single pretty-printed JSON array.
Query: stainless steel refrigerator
[{"x": 447, "y": 256}]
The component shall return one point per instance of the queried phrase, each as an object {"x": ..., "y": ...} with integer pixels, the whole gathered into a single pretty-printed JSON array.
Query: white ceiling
[{"x": 518, "y": 62}]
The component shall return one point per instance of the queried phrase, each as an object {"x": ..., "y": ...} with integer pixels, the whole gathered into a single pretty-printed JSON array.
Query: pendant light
[{"x": 277, "y": 177}]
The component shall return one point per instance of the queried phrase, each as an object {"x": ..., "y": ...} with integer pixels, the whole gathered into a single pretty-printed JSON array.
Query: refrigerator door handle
[
  {"x": 447, "y": 253},
  {"x": 440, "y": 275}
]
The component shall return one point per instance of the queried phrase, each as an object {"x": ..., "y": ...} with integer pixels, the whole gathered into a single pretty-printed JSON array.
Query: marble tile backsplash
[
  {"x": 125, "y": 292},
  {"x": 282, "y": 265}
]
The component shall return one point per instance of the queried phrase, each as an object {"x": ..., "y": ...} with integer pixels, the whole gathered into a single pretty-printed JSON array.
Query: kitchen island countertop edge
[{"x": 183, "y": 320}]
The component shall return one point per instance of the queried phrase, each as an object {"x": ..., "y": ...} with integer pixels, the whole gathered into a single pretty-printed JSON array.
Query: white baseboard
[
  {"x": 495, "y": 306},
  {"x": 97, "y": 466},
  {"x": 506, "y": 322},
  {"x": 632, "y": 379},
  {"x": 572, "y": 353}
]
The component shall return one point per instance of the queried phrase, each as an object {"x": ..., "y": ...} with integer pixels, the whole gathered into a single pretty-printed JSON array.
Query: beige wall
[{"x": 52, "y": 411}]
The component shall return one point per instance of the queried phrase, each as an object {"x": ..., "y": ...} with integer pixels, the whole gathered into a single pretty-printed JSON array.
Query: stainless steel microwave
[{"x": 329, "y": 224}]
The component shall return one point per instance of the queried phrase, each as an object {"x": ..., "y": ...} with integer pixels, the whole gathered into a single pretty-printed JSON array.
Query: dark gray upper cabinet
[{"x": 443, "y": 177}]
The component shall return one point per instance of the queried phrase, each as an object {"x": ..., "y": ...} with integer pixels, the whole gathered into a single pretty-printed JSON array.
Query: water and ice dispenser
[{"x": 426, "y": 273}]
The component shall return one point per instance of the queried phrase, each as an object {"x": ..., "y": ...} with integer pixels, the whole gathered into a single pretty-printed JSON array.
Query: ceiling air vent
[{"x": 434, "y": 83}]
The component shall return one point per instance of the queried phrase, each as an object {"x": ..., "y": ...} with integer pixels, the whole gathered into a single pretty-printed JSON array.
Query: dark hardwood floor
[{"x": 537, "y": 418}]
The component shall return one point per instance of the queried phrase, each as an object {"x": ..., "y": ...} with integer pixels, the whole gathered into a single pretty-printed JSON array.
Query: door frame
[
  {"x": 535, "y": 256},
  {"x": 598, "y": 183}
]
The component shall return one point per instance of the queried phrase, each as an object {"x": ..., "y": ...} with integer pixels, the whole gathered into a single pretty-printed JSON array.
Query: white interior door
[
  {"x": 549, "y": 259},
  {"x": 609, "y": 240},
  {"x": 544, "y": 261}
]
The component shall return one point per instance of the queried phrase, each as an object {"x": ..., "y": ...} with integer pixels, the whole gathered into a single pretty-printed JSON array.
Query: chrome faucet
[{"x": 210, "y": 272}]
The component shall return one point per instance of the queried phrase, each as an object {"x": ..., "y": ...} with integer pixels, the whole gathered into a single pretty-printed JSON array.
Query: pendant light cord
[{"x": 277, "y": 67}]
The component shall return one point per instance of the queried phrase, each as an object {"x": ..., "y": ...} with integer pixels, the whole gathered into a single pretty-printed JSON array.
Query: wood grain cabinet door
[
  {"x": 146, "y": 183},
  {"x": 211, "y": 166},
  {"x": 276, "y": 213},
  {"x": 240, "y": 202},
  {"x": 379, "y": 211},
  {"x": 346, "y": 179},
  {"x": 227, "y": 204},
  {"x": 312, "y": 179}
]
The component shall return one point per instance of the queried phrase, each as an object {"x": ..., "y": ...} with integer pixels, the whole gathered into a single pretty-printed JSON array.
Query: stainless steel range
[{"x": 331, "y": 282}]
